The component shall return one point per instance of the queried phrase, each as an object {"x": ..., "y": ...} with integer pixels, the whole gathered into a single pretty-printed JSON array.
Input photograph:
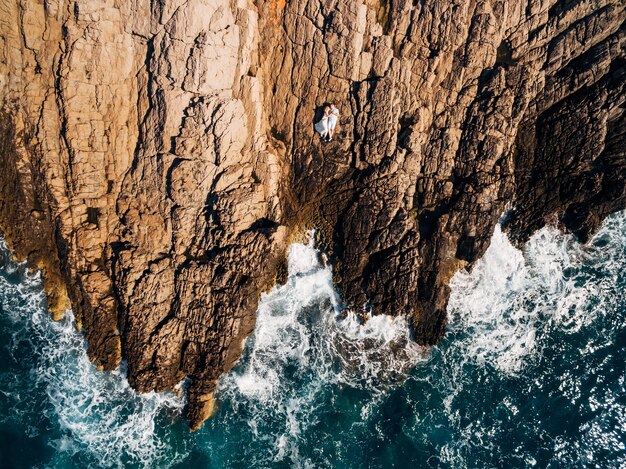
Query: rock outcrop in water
[{"x": 158, "y": 156}]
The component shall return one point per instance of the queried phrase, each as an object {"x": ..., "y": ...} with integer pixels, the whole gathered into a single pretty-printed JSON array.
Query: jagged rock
[{"x": 157, "y": 157}]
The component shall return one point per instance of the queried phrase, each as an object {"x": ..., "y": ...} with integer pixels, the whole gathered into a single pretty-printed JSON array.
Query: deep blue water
[{"x": 531, "y": 373}]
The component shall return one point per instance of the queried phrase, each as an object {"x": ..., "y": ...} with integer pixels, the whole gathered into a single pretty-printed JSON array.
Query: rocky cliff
[{"x": 158, "y": 156}]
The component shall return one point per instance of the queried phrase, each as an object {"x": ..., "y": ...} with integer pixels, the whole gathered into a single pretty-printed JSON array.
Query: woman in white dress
[
  {"x": 322, "y": 125},
  {"x": 333, "y": 118}
]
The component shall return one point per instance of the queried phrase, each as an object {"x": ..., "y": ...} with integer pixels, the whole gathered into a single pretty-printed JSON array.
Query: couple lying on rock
[{"x": 326, "y": 125}]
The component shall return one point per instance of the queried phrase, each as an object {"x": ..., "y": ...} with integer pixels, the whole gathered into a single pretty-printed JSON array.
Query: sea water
[{"x": 531, "y": 373}]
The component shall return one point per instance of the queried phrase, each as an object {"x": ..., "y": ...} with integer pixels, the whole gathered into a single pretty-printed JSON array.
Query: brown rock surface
[{"x": 157, "y": 156}]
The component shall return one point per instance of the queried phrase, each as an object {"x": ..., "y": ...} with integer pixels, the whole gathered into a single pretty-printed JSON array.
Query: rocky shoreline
[{"x": 158, "y": 157}]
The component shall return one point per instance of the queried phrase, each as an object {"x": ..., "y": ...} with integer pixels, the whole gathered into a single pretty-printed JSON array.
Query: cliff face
[{"x": 158, "y": 156}]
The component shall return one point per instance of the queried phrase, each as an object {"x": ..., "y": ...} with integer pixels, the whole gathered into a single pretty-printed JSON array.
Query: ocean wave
[
  {"x": 97, "y": 413},
  {"x": 554, "y": 282},
  {"x": 535, "y": 329},
  {"x": 304, "y": 347}
]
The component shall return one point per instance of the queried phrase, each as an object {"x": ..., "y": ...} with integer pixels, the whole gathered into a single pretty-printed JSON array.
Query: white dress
[
  {"x": 322, "y": 126},
  {"x": 333, "y": 118}
]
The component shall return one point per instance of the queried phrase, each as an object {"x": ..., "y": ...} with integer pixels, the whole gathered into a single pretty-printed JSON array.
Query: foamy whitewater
[{"x": 531, "y": 373}]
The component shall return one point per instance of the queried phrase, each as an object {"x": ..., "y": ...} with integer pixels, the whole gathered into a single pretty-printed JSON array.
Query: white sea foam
[
  {"x": 481, "y": 304},
  {"x": 509, "y": 293},
  {"x": 100, "y": 410},
  {"x": 97, "y": 411},
  {"x": 302, "y": 337},
  {"x": 501, "y": 315}
]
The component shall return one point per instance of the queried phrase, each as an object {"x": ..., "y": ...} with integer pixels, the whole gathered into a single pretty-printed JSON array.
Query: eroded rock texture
[{"x": 158, "y": 156}]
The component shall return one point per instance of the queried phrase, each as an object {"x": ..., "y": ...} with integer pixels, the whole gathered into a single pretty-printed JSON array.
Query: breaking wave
[
  {"x": 512, "y": 296},
  {"x": 305, "y": 349},
  {"x": 99, "y": 419},
  {"x": 541, "y": 332}
]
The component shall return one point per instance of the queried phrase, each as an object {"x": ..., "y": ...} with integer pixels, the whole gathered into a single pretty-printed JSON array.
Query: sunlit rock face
[{"x": 158, "y": 157}]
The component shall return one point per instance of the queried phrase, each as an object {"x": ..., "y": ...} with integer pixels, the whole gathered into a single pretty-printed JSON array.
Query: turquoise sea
[{"x": 532, "y": 373}]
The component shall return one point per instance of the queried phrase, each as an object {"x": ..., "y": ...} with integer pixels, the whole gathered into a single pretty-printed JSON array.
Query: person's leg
[{"x": 322, "y": 129}]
